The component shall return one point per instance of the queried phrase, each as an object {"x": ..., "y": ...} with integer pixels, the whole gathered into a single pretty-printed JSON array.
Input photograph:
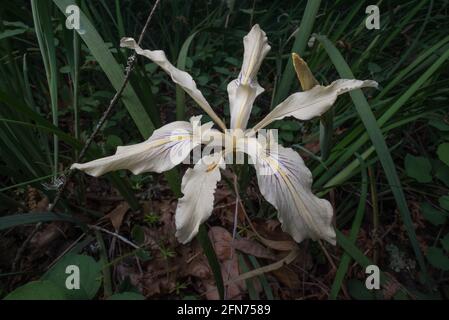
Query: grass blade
[
  {"x": 181, "y": 64},
  {"x": 208, "y": 249},
  {"x": 356, "y": 224},
  {"x": 30, "y": 218},
  {"x": 299, "y": 46},
  {"x": 375, "y": 134},
  {"x": 112, "y": 69},
  {"x": 44, "y": 32},
  {"x": 114, "y": 72}
]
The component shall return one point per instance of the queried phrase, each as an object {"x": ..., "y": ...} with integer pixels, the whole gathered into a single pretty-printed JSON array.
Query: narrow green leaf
[
  {"x": 44, "y": 32},
  {"x": 114, "y": 72},
  {"x": 299, "y": 46},
  {"x": 366, "y": 115},
  {"x": 30, "y": 218},
  {"x": 208, "y": 250},
  {"x": 104, "y": 262},
  {"x": 112, "y": 69},
  {"x": 181, "y": 64},
  {"x": 262, "y": 278},
  {"x": 356, "y": 254},
  {"x": 250, "y": 283},
  {"x": 356, "y": 224}
]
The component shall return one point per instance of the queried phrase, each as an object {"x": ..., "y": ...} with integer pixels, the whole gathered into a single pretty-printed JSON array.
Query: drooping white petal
[
  {"x": 285, "y": 182},
  {"x": 314, "y": 102},
  {"x": 198, "y": 187},
  {"x": 167, "y": 147},
  {"x": 243, "y": 91},
  {"x": 181, "y": 78}
]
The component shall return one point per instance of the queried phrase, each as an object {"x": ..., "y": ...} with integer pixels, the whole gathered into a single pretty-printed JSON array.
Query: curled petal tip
[
  {"x": 372, "y": 83},
  {"x": 127, "y": 42}
]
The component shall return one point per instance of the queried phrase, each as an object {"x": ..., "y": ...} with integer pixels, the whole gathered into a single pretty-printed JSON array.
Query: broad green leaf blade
[
  {"x": 434, "y": 216},
  {"x": 438, "y": 258},
  {"x": 418, "y": 168},
  {"x": 444, "y": 202},
  {"x": 37, "y": 290},
  {"x": 89, "y": 276}
]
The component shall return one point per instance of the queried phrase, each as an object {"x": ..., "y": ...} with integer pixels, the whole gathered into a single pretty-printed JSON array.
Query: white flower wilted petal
[
  {"x": 167, "y": 147},
  {"x": 314, "y": 102},
  {"x": 285, "y": 182},
  {"x": 198, "y": 187},
  {"x": 181, "y": 78}
]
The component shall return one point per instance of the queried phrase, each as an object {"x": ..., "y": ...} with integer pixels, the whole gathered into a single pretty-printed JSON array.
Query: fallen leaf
[
  {"x": 116, "y": 215},
  {"x": 47, "y": 235},
  {"x": 253, "y": 248},
  {"x": 221, "y": 240}
]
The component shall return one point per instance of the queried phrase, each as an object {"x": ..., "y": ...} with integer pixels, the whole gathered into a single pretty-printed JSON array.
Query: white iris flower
[{"x": 283, "y": 178}]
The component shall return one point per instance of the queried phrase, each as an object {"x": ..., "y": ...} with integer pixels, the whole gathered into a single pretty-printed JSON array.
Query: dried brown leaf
[{"x": 117, "y": 214}]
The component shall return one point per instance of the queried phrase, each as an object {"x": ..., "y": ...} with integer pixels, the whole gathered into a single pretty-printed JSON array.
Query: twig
[
  {"x": 70, "y": 247},
  {"x": 23, "y": 247},
  {"x": 67, "y": 177},
  {"x": 106, "y": 114},
  {"x": 280, "y": 245},
  {"x": 268, "y": 268},
  {"x": 329, "y": 258},
  {"x": 135, "y": 246}
]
